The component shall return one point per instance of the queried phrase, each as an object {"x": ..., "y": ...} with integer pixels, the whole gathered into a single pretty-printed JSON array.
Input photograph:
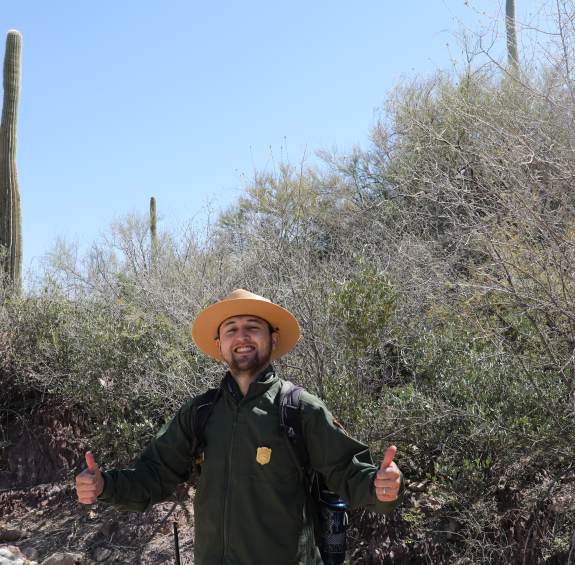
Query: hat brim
[{"x": 205, "y": 326}]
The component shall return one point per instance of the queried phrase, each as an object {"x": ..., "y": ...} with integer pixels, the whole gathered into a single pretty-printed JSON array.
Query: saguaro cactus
[
  {"x": 10, "y": 215},
  {"x": 153, "y": 234},
  {"x": 512, "y": 53}
]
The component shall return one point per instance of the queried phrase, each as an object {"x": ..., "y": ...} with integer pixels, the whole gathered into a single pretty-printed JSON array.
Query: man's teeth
[{"x": 243, "y": 349}]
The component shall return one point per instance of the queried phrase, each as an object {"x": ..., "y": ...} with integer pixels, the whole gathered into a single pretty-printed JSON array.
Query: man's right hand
[{"x": 89, "y": 483}]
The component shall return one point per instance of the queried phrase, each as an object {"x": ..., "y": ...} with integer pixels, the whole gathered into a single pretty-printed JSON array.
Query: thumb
[
  {"x": 91, "y": 462},
  {"x": 388, "y": 457}
]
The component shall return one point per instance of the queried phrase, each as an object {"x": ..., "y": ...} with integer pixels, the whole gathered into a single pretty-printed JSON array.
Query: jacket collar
[{"x": 261, "y": 383}]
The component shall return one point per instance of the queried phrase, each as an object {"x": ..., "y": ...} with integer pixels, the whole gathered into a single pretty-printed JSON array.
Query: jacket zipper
[{"x": 228, "y": 484}]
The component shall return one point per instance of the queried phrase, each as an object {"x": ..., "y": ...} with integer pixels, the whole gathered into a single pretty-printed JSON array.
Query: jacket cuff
[{"x": 108, "y": 489}]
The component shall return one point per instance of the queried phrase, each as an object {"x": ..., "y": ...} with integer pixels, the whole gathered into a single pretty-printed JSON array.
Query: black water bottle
[{"x": 332, "y": 544}]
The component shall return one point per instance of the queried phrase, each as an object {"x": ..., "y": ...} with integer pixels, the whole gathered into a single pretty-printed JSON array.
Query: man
[{"x": 250, "y": 500}]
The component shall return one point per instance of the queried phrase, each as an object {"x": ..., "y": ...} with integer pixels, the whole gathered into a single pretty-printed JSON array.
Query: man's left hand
[{"x": 387, "y": 480}]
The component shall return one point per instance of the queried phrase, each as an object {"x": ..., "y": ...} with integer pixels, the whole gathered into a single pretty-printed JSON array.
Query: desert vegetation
[{"x": 433, "y": 276}]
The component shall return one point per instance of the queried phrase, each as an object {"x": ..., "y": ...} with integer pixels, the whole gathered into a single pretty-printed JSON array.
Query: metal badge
[{"x": 263, "y": 455}]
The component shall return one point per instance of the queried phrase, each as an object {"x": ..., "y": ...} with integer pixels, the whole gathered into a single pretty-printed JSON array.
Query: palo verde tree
[{"x": 10, "y": 214}]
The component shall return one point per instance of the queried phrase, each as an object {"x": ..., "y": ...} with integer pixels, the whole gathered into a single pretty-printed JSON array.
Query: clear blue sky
[{"x": 181, "y": 99}]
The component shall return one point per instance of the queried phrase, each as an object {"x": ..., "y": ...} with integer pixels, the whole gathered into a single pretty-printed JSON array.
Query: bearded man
[{"x": 251, "y": 504}]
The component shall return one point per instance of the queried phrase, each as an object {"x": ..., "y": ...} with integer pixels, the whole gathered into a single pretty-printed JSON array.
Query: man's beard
[{"x": 253, "y": 364}]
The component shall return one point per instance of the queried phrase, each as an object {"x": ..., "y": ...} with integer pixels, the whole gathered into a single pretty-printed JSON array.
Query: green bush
[{"x": 123, "y": 369}]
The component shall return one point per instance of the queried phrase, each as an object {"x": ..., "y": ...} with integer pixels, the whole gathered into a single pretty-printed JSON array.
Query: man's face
[{"x": 246, "y": 343}]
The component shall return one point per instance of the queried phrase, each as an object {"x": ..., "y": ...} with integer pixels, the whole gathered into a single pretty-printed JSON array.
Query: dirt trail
[{"x": 51, "y": 520}]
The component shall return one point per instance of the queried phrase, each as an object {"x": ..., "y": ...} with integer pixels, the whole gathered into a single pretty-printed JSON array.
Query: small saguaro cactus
[
  {"x": 511, "y": 30},
  {"x": 10, "y": 214},
  {"x": 153, "y": 234}
]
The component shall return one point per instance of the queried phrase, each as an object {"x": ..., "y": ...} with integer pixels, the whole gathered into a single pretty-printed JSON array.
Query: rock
[
  {"x": 64, "y": 559},
  {"x": 102, "y": 553},
  {"x": 418, "y": 487},
  {"x": 11, "y": 535},
  {"x": 11, "y": 555},
  {"x": 107, "y": 528},
  {"x": 31, "y": 553}
]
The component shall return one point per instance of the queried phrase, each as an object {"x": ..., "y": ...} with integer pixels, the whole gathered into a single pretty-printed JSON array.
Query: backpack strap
[
  {"x": 291, "y": 423},
  {"x": 203, "y": 406},
  {"x": 290, "y": 420}
]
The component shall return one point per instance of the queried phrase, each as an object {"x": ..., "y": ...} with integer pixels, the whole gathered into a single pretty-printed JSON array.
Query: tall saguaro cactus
[
  {"x": 510, "y": 28},
  {"x": 10, "y": 214},
  {"x": 153, "y": 234}
]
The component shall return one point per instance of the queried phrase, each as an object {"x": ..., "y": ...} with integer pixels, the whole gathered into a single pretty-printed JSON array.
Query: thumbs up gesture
[
  {"x": 387, "y": 480},
  {"x": 89, "y": 483}
]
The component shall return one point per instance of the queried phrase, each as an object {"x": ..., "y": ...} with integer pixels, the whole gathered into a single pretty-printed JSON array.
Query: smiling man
[
  {"x": 252, "y": 504},
  {"x": 246, "y": 344}
]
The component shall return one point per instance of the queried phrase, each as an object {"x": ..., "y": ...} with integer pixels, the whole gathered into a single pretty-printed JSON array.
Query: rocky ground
[
  {"x": 41, "y": 450},
  {"x": 45, "y": 525}
]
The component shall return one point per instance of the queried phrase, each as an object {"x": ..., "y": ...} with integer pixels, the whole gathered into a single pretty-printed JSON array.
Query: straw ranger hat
[{"x": 244, "y": 303}]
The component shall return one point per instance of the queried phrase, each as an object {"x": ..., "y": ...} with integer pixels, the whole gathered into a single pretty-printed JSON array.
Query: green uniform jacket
[{"x": 248, "y": 513}]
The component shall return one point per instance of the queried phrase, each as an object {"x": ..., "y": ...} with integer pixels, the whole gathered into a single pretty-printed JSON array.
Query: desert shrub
[{"x": 123, "y": 369}]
